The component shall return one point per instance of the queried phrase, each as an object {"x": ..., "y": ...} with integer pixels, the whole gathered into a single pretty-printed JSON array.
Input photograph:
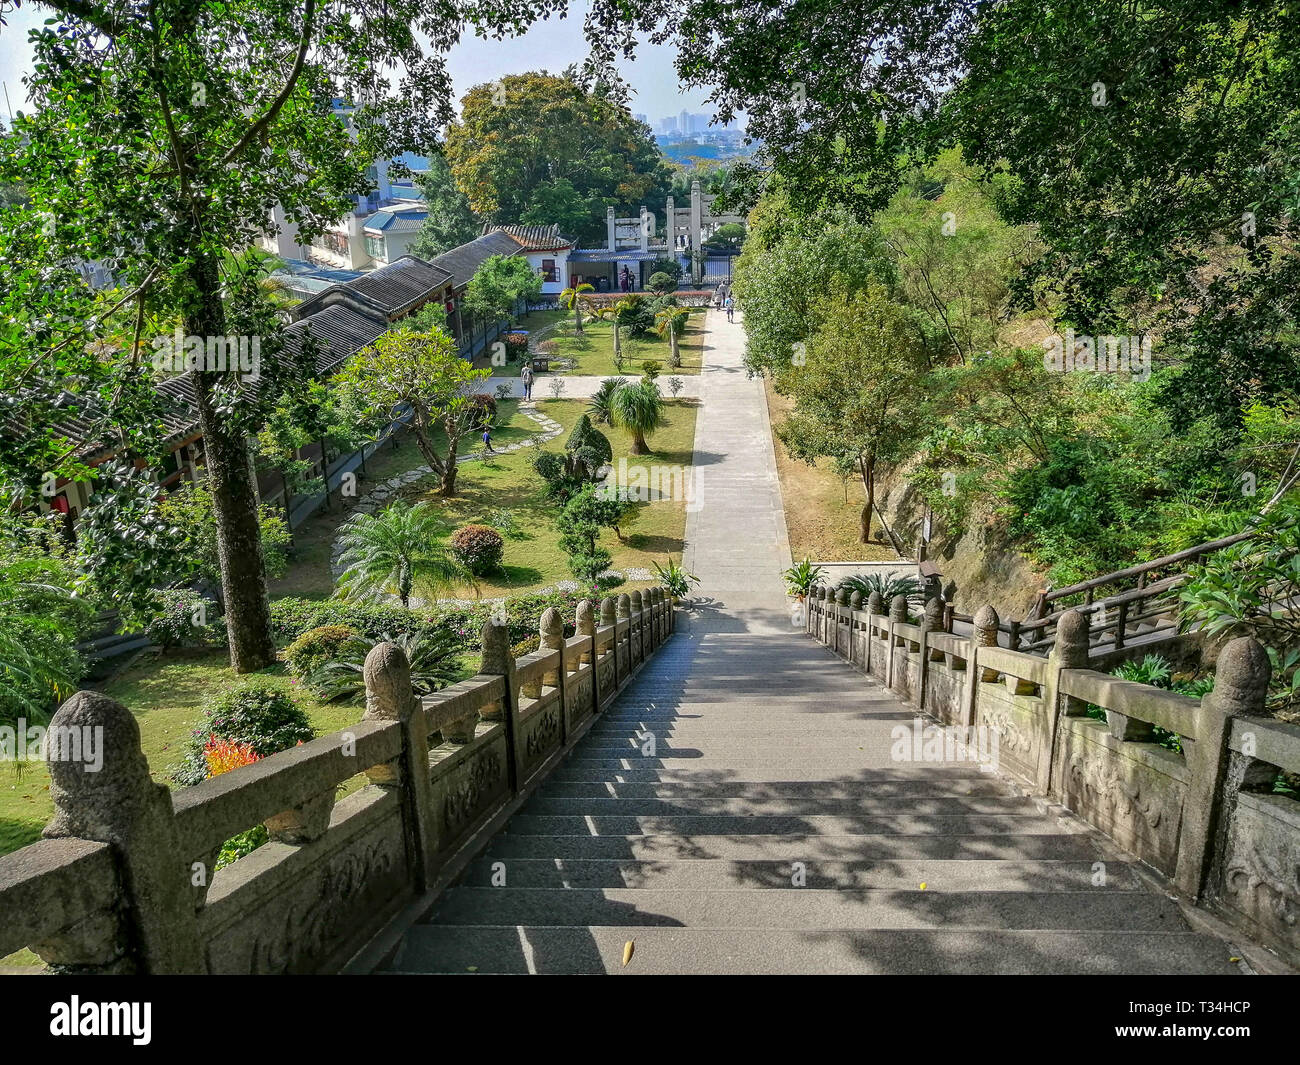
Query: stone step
[
  {"x": 938, "y": 776},
  {"x": 1097, "y": 909},
  {"x": 865, "y": 805},
  {"x": 740, "y": 951},
  {"x": 719, "y": 874},
  {"x": 831, "y": 760},
  {"x": 1030, "y": 824},
  {"x": 817, "y": 790}
]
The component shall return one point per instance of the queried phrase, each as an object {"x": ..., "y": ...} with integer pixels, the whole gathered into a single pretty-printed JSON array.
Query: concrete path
[
  {"x": 770, "y": 829},
  {"x": 583, "y": 386}
]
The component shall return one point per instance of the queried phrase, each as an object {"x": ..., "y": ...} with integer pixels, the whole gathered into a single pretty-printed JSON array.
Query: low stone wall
[
  {"x": 1205, "y": 817},
  {"x": 124, "y": 880}
]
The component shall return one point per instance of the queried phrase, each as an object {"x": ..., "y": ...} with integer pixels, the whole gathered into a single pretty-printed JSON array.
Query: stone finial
[
  {"x": 876, "y": 603},
  {"x": 635, "y": 605},
  {"x": 898, "y": 608},
  {"x": 551, "y": 629},
  {"x": 624, "y": 604},
  {"x": 496, "y": 648},
  {"x": 855, "y": 600},
  {"x": 607, "y": 609},
  {"x": 986, "y": 626},
  {"x": 389, "y": 693},
  {"x": 102, "y": 791},
  {"x": 934, "y": 615},
  {"x": 585, "y": 619},
  {"x": 1241, "y": 677},
  {"x": 842, "y": 596},
  {"x": 1071, "y": 644}
]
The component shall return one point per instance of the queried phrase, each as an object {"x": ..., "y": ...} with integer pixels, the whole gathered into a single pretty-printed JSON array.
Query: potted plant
[
  {"x": 675, "y": 580},
  {"x": 802, "y": 578}
]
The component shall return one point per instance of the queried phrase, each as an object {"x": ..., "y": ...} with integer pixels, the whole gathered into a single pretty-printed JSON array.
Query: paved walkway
[
  {"x": 771, "y": 830},
  {"x": 583, "y": 386}
]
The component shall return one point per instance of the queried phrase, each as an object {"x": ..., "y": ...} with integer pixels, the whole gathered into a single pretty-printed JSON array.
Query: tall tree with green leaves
[
  {"x": 163, "y": 135},
  {"x": 450, "y": 222},
  {"x": 396, "y": 552},
  {"x": 499, "y": 285},
  {"x": 860, "y": 393},
  {"x": 532, "y": 143}
]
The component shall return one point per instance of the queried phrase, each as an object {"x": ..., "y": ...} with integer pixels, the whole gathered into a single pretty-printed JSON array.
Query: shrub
[
  {"x": 479, "y": 547},
  {"x": 315, "y": 647},
  {"x": 662, "y": 283},
  {"x": 432, "y": 657},
  {"x": 184, "y": 619},
  {"x": 651, "y": 368},
  {"x": 503, "y": 521},
  {"x": 549, "y": 348},
  {"x": 887, "y": 584},
  {"x": 483, "y": 408},
  {"x": 516, "y": 344},
  {"x": 262, "y": 715},
  {"x": 671, "y": 267},
  {"x": 526, "y": 646}
]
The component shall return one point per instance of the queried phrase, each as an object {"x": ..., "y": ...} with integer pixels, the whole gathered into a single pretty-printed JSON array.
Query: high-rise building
[{"x": 685, "y": 123}]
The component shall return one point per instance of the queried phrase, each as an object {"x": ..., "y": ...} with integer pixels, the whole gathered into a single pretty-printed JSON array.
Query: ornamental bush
[
  {"x": 479, "y": 547},
  {"x": 260, "y": 714},
  {"x": 483, "y": 409},
  {"x": 315, "y": 647},
  {"x": 662, "y": 283}
]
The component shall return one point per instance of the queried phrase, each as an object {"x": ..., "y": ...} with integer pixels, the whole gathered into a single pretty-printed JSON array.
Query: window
[
  {"x": 376, "y": 248},
  {"x": 548, "y": 270}
]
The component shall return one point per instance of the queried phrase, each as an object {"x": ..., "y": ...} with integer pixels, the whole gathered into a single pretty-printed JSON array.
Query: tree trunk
[
  {"x": 577, "y": 318},
  {"x": 234, "y": 492},
  {"x": 868, "y": 467},
  {"x": 639, "y": 446},
  {"x": 447, "y": 486},
  {"x": 672, "y": 341},
  {"x": 618, "y": 352}
]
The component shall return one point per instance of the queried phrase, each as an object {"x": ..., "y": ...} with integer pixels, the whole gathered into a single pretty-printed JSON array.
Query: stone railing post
[
  {"x": 1069, "y": 651},
  {"x": 984, "y": 633},
  {"x": 897, "y": 613},
  {"x": 855, "y": 606},
  {"x": 812, "y": 608},
  {"x": 1240, "y": 689},
  {"x": 635, "y": 607},
  {"x": 391, "y": 697},
  {"x": 113, "y": 800},
  {"x": 585, "y": 624},
  {"x": 875, "y": 608},
  {"x": 931, "y": 621},
  {"x": 608, "y": 618},
  {"x": 551, "y": 630},
  {"x": 623, "y": 604},
  {"x": 499, "y": 662}
]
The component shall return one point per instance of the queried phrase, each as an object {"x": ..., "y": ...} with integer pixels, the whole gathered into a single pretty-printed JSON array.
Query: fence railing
[
  {"x": 1192, "y": 787},
  {"x": 125, "y": 879}
]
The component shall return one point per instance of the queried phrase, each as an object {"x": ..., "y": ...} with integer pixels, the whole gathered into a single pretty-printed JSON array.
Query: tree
[
  {"x": 395, "y": 552},
  {"x": 450, "y": 222},
  {"x": 586, "y": 513},
  {"x": 163, "y": 137},
  {"x": 425, "y": 372},
  {"x": 671, "y": 322},
  {"x": 499, "y": 284},
  {"x": 787, "y": 267},
  {"x": 572, "y": 297},
  {"x": 536, "y": 142},
  {"x": 639, "y": 409},
  {"x": 601, "y": 404},
  {"x": 861, "y": 391}
]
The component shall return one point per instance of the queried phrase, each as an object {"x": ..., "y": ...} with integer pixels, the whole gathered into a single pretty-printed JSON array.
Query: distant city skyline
[{"x": 551, "y": 44}]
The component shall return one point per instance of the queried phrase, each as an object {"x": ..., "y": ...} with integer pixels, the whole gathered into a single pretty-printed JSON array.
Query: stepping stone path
[{"x": 770, "y": 829}]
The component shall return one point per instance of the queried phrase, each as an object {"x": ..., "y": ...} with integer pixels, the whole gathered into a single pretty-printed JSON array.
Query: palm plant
[
  {"x": 602, "y": 400},
  {"x": 802, "y": 578},
  {"x": 675, "y": 580},
  {"x": 432, "y": 655},
  {"x": 672, "y": 321},
  {"x": 639, "y": 409},
  {"x": 572, "y": 297},
  {"x": 887, "y": 584},
  {"x": 393, "y": 552},
  {"x": 618, "y": 312}
]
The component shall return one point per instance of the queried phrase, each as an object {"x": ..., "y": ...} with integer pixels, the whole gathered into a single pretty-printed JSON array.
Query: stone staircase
[{"x": 771, "y": 758}]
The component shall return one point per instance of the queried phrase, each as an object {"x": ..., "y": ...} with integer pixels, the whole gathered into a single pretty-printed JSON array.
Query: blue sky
[{"x": 550, "y": 45}]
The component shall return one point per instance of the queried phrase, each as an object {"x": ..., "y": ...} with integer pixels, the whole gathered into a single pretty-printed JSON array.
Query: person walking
[
  {"x": 526, "y": 376},
  {"x": 731, "y": 308},
  {"x": 487, "y": 440}
]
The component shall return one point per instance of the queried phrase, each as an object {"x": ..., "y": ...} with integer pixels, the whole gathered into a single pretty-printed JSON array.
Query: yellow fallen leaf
[
  {"x": 472, "y": 968},
  {"x": 627, "y": 951},
  {"x": 922, "y": 885},
  {"x": 1234, "y": 959}
]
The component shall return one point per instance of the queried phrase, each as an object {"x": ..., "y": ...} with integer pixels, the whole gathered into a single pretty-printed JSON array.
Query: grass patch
[{"x": 819, "y": 521}]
